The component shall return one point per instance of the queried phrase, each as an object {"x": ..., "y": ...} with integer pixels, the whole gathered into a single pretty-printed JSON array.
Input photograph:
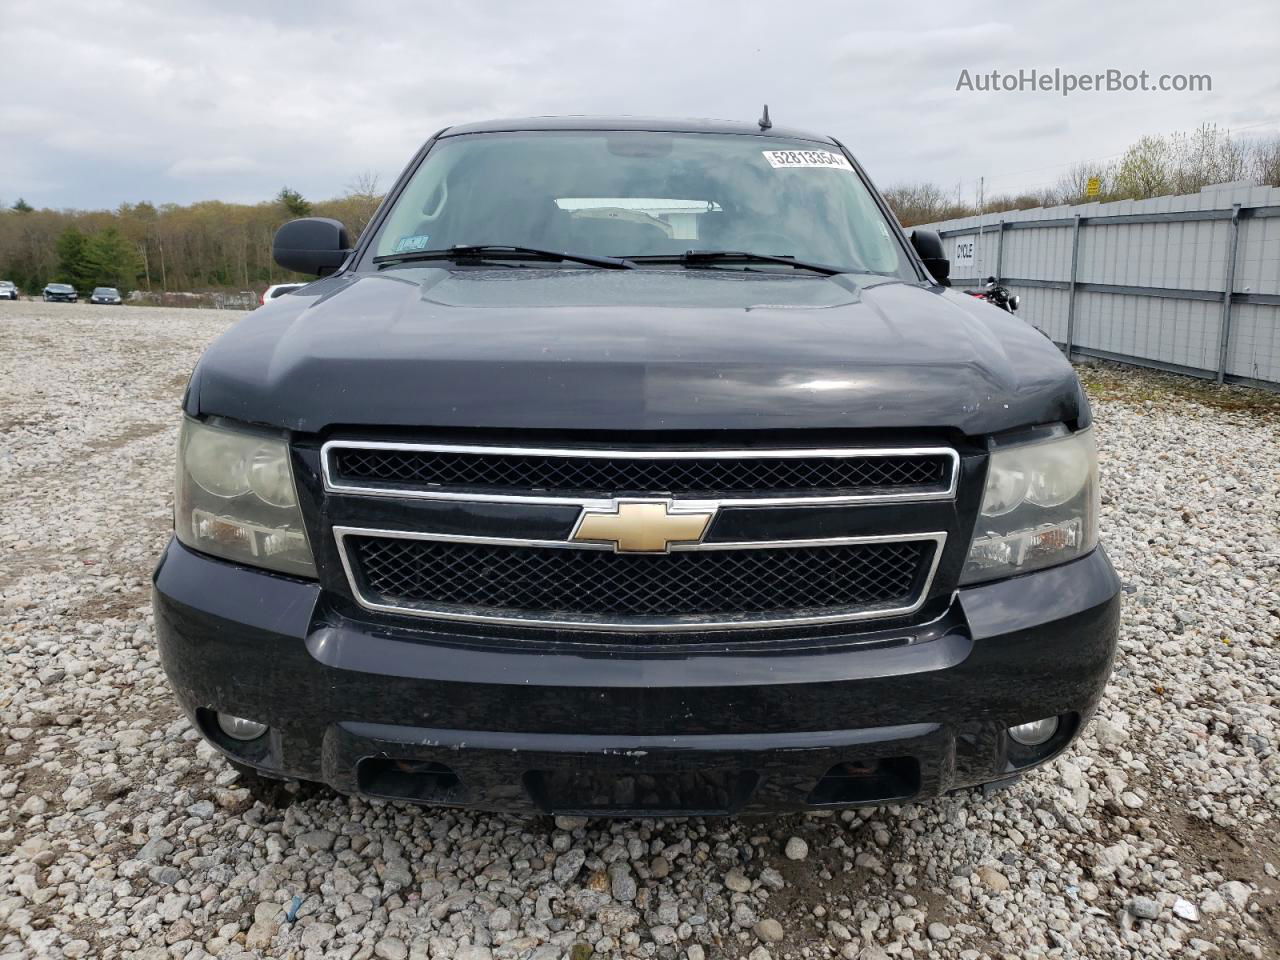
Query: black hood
[{"x": 647, "y": 349}]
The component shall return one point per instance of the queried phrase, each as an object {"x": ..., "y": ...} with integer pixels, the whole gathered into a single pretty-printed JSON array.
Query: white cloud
[
  {"x": 108, "y": 100},
  {"x": 193, "y": 167},
  {"x": 916, "y": 44}
]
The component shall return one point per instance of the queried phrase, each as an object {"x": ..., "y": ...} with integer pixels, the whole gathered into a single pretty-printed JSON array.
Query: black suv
[
  {"x": 64, "y": 292},
  {"x": 634, "y": 467}
]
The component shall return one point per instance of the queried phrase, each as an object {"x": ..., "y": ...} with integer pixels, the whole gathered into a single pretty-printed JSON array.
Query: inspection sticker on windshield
[
  {"x": 411, "y": 244},
  {"x": 807, "y": 158}
]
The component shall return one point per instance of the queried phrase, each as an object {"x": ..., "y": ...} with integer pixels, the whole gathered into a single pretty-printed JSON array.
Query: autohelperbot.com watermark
[{"x": 1066, "y": 82}]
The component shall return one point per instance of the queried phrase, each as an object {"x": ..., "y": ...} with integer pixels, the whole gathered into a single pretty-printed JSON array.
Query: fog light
[
  {"x": 1034, "y": 733},
  {"x": 238, "y": 728}
]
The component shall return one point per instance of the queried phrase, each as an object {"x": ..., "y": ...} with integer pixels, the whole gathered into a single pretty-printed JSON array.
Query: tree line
[
  {"x": 203, "y": 246},
  {"x": 1153, "y": 166},
  {"x": 215, "y": 246}
]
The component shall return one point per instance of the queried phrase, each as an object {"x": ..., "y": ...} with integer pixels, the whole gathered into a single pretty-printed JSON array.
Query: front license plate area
[{"x": 682, "y": 793}]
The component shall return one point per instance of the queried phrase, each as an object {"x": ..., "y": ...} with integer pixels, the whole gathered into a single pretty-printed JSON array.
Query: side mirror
[
  {"x": 314, "y": 245},
  {"x": 929, "y": 245}
]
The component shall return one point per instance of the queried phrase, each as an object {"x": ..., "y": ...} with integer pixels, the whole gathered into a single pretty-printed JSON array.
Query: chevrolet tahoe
[{"x": 629, "y": 467}]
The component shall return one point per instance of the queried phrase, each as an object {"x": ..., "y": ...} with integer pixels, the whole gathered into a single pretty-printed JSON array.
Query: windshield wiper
[
  {"x": 466, "y": 252},
  {"x": 696, "y": 257}
]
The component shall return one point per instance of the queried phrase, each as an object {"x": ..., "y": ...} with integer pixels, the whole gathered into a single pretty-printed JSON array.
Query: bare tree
[
  {"x": 362, "y": 199},
  {"x": 1262, "y": 161},
  {"x": 923, "y": 203}
]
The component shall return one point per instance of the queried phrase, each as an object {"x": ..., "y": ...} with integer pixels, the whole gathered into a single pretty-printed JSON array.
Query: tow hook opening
[
  {"x": 423, "y": 781},
  {"x": 868, "y": 781}
]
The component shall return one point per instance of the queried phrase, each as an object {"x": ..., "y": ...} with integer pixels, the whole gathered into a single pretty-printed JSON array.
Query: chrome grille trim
[
  {"x": 334, "y": 486},
  {"x": 639, "y": 624}
]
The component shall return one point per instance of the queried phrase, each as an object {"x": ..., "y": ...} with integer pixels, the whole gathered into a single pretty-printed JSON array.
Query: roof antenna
[{"x": 764, "y": 121}]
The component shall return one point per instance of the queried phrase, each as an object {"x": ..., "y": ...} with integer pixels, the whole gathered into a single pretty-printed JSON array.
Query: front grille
[
  {"x": 558, "y": 585},
  {"x": 606, "y": 474}
]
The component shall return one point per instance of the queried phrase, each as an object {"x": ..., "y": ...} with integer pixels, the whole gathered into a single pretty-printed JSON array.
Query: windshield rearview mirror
[
  {"x": 315, "y": 245},
  {"x": 929, "y": 245}
]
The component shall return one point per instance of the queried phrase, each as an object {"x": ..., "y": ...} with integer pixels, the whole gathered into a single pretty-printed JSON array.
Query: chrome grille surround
[
  {"x": 931, "y": 544},
  {"x": 335, "y": 483},
  {"x": 547, "y": 619}
]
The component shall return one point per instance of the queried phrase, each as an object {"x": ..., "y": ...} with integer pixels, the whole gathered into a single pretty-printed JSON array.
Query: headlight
[
  {"x": 1040, "y": 508},
  {"x": 235, "y": 498}
]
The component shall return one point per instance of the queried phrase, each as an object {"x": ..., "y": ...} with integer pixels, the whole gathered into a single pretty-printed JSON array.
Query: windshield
[
  {"x": 60, "y": 287},
  {"x": 108, "y": 291},
  {"x": 625, "y": 194}
]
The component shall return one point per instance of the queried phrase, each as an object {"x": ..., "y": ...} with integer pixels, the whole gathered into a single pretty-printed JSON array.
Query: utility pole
[
  {"x": 146, "y": 262},
  {"x": 978, "y": 258}
]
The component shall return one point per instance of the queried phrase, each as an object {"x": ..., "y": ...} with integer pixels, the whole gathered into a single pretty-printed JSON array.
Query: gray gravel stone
[
  {"x": 769, "y": 930},
  {"x": 568, "y": 864},
  {"x": 621, "y": 883},
  {"x": 1144, "y": 908},
  {"x": 123, "y": 835},
  {"x": 391, "y": 948},
  {"x": 735, "y": 880},
  {"x": 796, "y": 849}
]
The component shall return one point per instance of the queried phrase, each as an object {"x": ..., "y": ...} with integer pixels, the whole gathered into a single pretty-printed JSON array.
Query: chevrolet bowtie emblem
[{"x": 641, "y": 526}]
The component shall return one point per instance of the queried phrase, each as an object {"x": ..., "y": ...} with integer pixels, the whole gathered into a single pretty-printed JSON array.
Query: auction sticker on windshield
[{"x": 807, "y": 158}]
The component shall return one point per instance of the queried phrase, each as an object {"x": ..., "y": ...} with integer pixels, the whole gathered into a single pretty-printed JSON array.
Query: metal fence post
[
  {"x": 1000, "y": 252},
  {"x": 1071, "y": 287},
  {"x": 1224, "y": 332}
]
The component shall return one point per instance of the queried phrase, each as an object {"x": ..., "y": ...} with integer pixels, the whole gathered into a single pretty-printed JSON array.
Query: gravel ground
[{"x": 122, "y": 835}]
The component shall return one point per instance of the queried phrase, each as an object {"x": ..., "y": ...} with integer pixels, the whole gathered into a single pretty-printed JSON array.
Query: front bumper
[{"x": 402, "y": 712}]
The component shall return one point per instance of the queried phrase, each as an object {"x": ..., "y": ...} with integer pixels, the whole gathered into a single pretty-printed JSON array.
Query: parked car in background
[
  {"x": 8, "y": 290},
  {"x": 61, "y": 291},
  {"x": 278, "y": 290},
  {"x": 105, "y": 295}
]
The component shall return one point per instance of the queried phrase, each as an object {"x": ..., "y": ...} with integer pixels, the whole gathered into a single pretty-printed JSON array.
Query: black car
[
  {"x": 64, "y": 292},
  {"x": 634, "y": 467},
  {"x": 108, "y": 295}
]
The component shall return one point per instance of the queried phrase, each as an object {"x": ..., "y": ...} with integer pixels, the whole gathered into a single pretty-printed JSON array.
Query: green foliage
[
  {"x": 105, "y": 259},
  {"x": 73, "y": 258},
  {"x": 111, "y": 261},
  {"x": 1145, "y": 170},
  {"x": 22, "y": 206},
  {"x": 293, "y": 202}
]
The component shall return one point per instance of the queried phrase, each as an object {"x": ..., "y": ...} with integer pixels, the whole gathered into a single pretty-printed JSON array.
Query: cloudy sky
[{"x": 106, "y": 101}]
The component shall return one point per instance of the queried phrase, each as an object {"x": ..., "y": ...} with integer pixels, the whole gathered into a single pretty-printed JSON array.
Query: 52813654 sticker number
[{"x": 779, "y": 159}]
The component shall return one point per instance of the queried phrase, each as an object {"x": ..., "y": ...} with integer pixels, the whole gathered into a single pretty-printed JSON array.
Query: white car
[
  {"x": 8, "y": 290},
  {"x": 278, "y": 290}
]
